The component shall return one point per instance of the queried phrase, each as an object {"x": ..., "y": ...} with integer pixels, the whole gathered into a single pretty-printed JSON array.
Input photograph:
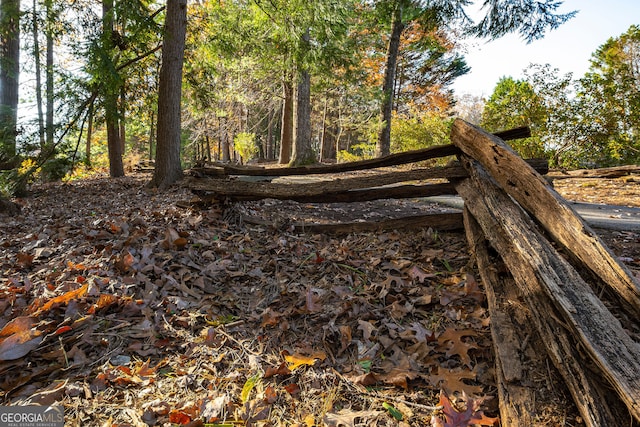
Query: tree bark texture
[
  {"x": 383, "y": 145},
  {"x": 9, "y": 74},
  {"x": 442, "y": 222},
  {"x": 555, "y": 215},
  {"x": 168, "y": 168},
  {"x": 38, "y": 71},
  {"x": 286, "y": 130},
  {"x": 302, "y": 150},
  {"x": 49, "y": 94},
  {"x": 517, "y": 330},
  {"x": 111, "y": 92},
  {"x": 566, "y": 307}
]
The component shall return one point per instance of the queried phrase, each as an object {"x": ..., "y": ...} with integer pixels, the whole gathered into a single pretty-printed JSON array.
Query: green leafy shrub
[{"x": 245, "y": 144}]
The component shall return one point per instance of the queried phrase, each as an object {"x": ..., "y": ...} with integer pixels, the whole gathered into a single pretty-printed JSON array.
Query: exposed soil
[{"x": 133, "y": 311}]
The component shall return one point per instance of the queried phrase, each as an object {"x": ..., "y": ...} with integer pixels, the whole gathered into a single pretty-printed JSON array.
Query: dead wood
[
  {"x": 515, "y": 389},
  {"x": 555, "y": 215},
  {"x": 310, "y": 193},
  {"x": 441, "y": 222},
  {"x": 608, "y": 173},
  {"x": 565, "y": 307},
  {"x": 351, "y": 189},
  {"x": 391, "y": 160},
  {"x": 514, "y": 329}
]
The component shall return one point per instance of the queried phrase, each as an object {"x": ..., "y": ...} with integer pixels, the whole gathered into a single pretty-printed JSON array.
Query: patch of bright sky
[{"x": 568, "y": 48}]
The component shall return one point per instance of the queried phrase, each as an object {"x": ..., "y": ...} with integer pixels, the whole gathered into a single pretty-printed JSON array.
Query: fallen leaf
[
  {"x": 179, "y": 417},
  {"x": 452, "y": 339},
  {"x": 365, "y": 379},
  {"x": 248, "y": 386},
  {"x": 345, "y": 338},
  {"x": 293, "y": 389},
  {"x": 310, "y": 303},
  {"x": 297, "y": 360},
  {"x": 24, "y": 259},
  {"x": 62, "y": 299},
  {"x": 452, "y": 380},
  {"x": 347, "y": 418},
  {"x": 416, "y": 273},
  {"x": 280, "y": 370},
  {"x": 270, "y": 395},
  {"x": 367, "y": 329},
  {"x": 18, "y": 338},
  {"x": 392, "y": 411},
  {"x": 469, "y": 417}
]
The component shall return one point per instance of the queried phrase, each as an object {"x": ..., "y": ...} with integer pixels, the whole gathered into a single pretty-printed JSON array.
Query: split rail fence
[{"x": 560, "y": 281}]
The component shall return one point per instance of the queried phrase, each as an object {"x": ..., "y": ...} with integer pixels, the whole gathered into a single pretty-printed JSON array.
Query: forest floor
[{"x": 131, "y": 311}]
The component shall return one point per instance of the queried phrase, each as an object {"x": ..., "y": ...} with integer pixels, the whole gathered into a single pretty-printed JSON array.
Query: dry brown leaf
[
  {"x": 18, "y": 338},
  {"x": 348, "y": 418},
  {"x": 452, "y": 380}
]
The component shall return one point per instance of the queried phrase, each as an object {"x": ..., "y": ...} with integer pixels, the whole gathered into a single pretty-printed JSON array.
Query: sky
[{"x": 568, "y": 48}]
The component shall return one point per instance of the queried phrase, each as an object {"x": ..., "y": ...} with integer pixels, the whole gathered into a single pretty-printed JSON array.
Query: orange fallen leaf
[
  {"x": 179, "y": 417},
  {"x": 62, "y": 330},
  {"x": 75, "y": 267},
  {"x": 297, "y": 360},
  {"x": 65, "y": 298}
]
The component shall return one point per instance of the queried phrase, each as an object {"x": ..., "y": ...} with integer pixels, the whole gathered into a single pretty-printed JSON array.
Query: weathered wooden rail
[{"x": 569, "y": 288}]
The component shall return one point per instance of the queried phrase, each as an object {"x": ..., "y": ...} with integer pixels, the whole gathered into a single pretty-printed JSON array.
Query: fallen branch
[{"x": 442, "y": 222}]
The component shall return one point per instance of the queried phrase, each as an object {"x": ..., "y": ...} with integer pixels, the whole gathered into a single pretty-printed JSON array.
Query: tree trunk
[
  {"x": 122, "y": 129},
  {"x": 383, "y": 145},
  {"x": 286, "y": 132},
  {"x": 168, "y": 168},
  {"x": 302, "y": 150},
  {"x": 38, "y": 65},
  {"x": 114, "y": 146},
  {"x": 224, "y": 140},
  {"x": 89, "y": 135},
  {"x": 207, "y": 140},
  {"x": 269, "y": 145},
  {"x": 49, "y": 74},
  {"x": 9, "y": 74},
  {"x": 152, "y": 133}
]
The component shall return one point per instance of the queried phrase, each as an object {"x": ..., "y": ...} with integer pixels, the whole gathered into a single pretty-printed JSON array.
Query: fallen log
[
  {"x": 513, "y": 328},
  {"x": 565, "y": 306},
  {"x": 442, "y": 222},
  {"x": 555, "y": 215},
  {"x": 319, "y": 192},
  {"x": 607, "y": 173},
  {"x": 351, "y": 189}
]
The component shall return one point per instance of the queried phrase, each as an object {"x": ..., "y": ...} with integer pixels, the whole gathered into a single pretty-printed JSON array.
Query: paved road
[{"x": 601, "y": 216}]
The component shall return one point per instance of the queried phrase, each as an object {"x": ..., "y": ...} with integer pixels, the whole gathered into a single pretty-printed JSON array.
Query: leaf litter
[{"x": 129, "y": 310}]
